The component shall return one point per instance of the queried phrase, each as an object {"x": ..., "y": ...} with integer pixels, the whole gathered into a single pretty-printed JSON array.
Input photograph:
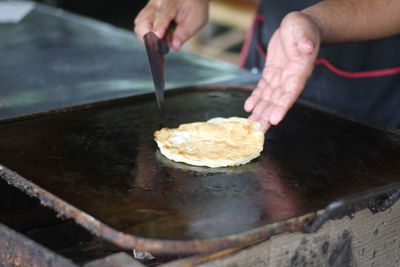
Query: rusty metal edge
[
  {"x": 157, "y": 246},
  {"x": 120, "y": 259},
  {"x": 18, "y": 250},
  {"x": 377, "y": 200}
]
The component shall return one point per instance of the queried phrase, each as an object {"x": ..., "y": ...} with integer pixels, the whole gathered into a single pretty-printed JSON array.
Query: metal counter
[{"x": 53, "y": 58}]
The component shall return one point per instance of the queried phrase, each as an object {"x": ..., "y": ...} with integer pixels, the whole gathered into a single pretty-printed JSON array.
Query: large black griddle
[{"x": 99, "y": 165}]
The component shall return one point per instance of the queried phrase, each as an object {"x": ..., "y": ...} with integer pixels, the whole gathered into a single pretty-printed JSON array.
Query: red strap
[
  {"x": 246, "y": 45},
  {"x": 357, "y": 74}
]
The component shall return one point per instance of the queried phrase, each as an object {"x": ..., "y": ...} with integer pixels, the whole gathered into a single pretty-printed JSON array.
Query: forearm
[{"x": 355, "y": 20}]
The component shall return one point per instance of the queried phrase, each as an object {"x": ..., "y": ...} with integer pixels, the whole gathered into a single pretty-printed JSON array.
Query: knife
[{"x": 156, "y": 49}]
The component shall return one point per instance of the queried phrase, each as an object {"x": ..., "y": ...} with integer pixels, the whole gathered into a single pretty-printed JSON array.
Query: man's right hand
[{"x": 156, "y": 16}]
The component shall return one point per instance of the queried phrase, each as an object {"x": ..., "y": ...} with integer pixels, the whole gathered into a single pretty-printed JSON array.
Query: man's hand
[
  {"x": 156, "y": 16},
  {"x": 290, "y": 61}
]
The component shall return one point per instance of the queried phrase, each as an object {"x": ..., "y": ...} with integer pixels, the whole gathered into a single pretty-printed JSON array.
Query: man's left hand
[{"x": 290, "y": 61}]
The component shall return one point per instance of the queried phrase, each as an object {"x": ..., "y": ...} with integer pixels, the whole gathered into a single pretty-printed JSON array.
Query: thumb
[
  {"x": 306, "y": 38},
  {"x": 304, "y": 31},
  {"x": 305, "y": 45}
]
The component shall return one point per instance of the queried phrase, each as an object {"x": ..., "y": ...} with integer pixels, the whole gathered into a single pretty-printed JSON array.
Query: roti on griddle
[{"x": 219, "y": 142}]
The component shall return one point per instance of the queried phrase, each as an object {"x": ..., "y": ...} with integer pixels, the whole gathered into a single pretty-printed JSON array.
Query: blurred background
[{"x": 222, "y": 38}]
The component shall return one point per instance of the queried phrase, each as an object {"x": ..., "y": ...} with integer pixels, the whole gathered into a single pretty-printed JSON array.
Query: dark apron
[{"x": 360, "y": 80}]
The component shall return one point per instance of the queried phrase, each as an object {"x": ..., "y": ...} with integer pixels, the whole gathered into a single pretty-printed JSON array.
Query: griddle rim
[{"x": 309, "y": 222}]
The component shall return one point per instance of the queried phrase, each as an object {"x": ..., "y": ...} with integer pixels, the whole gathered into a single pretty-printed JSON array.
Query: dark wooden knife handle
[
  {"x": 163, "y": 47},
  {"x": 163, "y": 44},
  {"x": 169, "y": 32}
]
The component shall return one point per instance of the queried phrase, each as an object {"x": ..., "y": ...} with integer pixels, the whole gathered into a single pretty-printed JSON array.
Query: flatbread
[{"x": 219, "y": 142}]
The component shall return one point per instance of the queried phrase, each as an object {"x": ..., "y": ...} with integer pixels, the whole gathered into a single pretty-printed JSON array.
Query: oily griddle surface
[{"x": 103, "y": 160}]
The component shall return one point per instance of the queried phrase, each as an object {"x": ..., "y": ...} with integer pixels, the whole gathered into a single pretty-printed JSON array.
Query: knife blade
[{"x": 156, "y": 49}]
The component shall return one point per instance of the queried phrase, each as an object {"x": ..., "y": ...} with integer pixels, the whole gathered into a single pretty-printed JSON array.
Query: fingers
[
  {"x": 189, "y": 20},
  {"x": 281, "y": 107},
  {"x": 259, "y": 103},
  {"x": 269, "y": 105},
  {"x": 253, "y": 99},
  {"x": 164, "y": 16},
  {"x": 156, "y": 16},
  {"x": 261, "y": 114},
  {"x": 181, "y": 34},
  {"x": 284, "y": 99},
  {"x": 264, "y": 88},
  {"x": 144, "y": 22},
  {"x": 188, "y": 15}
]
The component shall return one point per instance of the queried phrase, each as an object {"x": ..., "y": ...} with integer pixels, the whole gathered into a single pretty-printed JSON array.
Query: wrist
[{"x": 318, "y": 24}]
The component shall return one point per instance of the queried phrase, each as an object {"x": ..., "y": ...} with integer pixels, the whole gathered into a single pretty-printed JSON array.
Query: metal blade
[{"x": 156, "y": 62}]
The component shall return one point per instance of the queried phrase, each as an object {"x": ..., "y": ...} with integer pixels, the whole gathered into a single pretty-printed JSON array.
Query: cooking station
[{"x": 83, "y": 183}]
